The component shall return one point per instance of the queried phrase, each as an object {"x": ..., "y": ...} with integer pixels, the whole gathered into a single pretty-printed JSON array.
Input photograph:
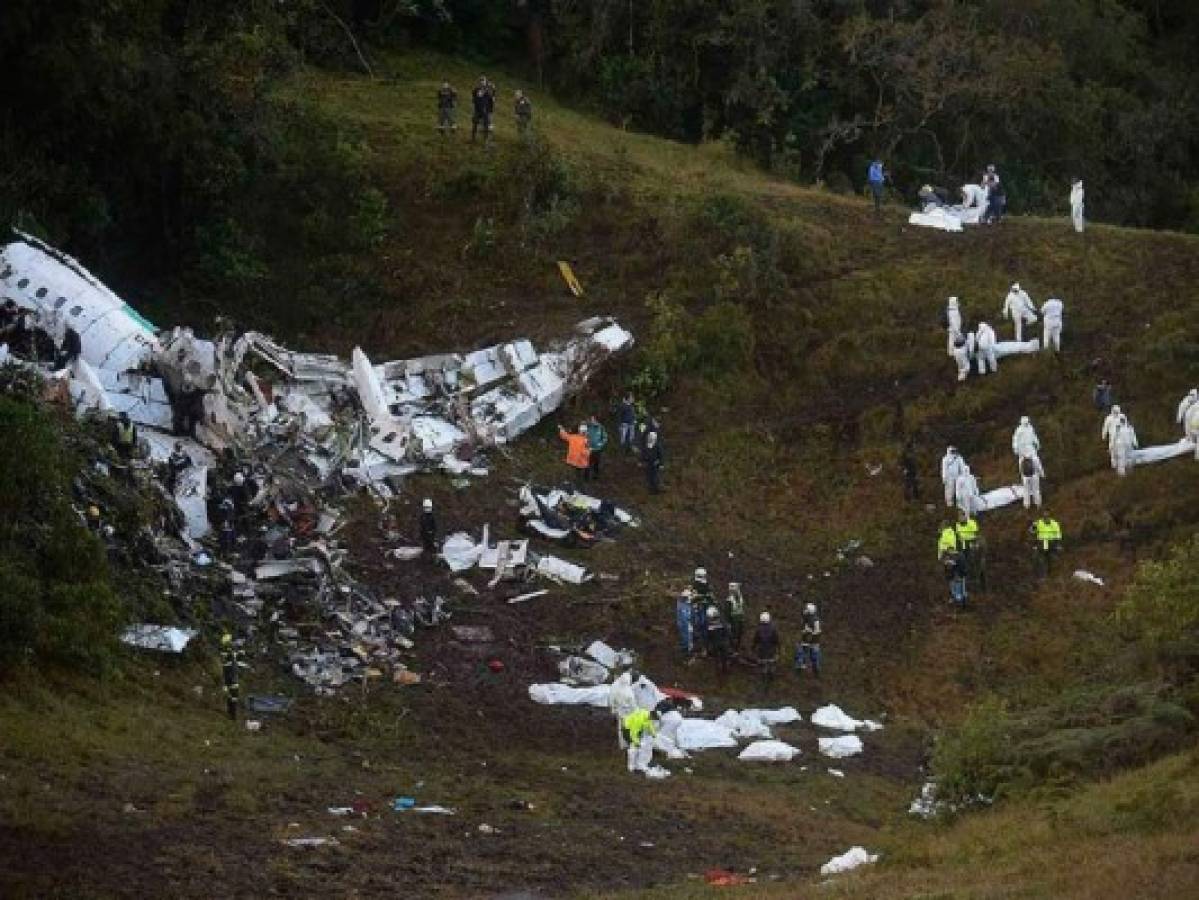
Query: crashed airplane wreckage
[{"x": 353, "y": 418}]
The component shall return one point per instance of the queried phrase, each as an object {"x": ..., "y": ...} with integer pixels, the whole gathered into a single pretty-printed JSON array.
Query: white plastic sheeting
[
  {"x": 606, "y": 656},
  {"x": 162, "y": 638},
  {"x": 704, "y": 734},
  {"x": 840, "y": 747},
  {"x": 1013, "y": 348},
  {"x": 743, "y": 725},
  {"x": 1161, "y": 454},
  {"x": 565, "y": 695},
  {"x": 848, "y": 861},
  {"x": 836, "y": 719},
  {"x": 999, "y": 498},
  {"x": 936, "y": 217},
  {"x": 769, "y": 751}
]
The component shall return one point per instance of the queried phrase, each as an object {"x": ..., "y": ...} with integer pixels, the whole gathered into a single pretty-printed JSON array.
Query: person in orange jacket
[{"x": 578, "y": 456}]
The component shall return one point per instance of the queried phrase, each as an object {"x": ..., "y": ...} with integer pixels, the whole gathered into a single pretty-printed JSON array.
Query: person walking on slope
[
  {"x": 578, "y": 457},
  {"x": 950, "y": 555},
  {"x": 807, "y": 652},
  {"x": 447, "y": 107},
  {"x": 952, "y": 320},
  {"x": 1018, "y": 307},
  {"x": 970, "y": 546},
  {"x": 1184, "y": 406},
  {"x": 482, "y": 100},
  {"x": 1076, "y": 205},
  {"x": 230, "y": 676},
  {"x": 701, "y": 599},
  {"x": 984, "y": 348},
  {"x": 523, "y": 110},
  {"x": 639, "y": 730},
  {"x": 682, "y": 618},
  {"x": 717, "y": 638},
  {"x": 1024, "y": 438},
  {"x": 1048, "y": 535},
  {"x": 597, "y": 440},
  {"x": 951, "y": 467},
  {"x": 1052, "y": 313},
  {"x": 1108, "y": 433},
  {"x": 963, "y": 349},
  {"x": 428, "y": 528},
  {"x": 876, "y": 177},
  {"x": 766, "y": 647},
  {"x": 651, "y": 458},
  {"x": 1123, "y": 446},
  {"x": 1102, "y": 396},
  {"x": 628, "y": 422},
  {"x": 734, "y": 614},
  {"x": 966, "y": 491},
  {"x": 1031, "y": 473}
]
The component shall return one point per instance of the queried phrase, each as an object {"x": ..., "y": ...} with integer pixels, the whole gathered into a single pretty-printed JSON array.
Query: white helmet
[
  {"x": 953, "y": 301},
  {"x": 1015, "y": 285},
  {"x": 701, "y": 575},
  {"x": 764, "y": 618},
  {"x": 1024, "y": 420},
  {"x": 810, "y": 609},
  {"x": 1115, "y": 409},
  {"x": 427, "y": 505},
  {"x": 239, "y": 479}
]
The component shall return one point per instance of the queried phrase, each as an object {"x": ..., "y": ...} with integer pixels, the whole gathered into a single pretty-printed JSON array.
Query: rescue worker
[
  {"x": 966, "y": 491},
  {"x": 428, "y": 528},
  {"x": 996, "y": 202},
  {"x": 963, "y": 348},
  {"x": 716, "y": 632},
  {"x": 974, "y": 196},
  {"x": 482, "y": 101},
  {"x": 124, "y": 437},
  {"x": 876, "y": 177},
  {"x": 94, "y": 523},
  {"x": 628, "y": 421},
  {"x": 447, "y": 107},
  {"x": 1077, "y": 205},
  {"x": 807, "y": 652},
  {"x": 1018, "y": 307},
  {"x": 952, "y": 320},
  {"x": 911, "y": 475},
  {"x": 639, "y": 730},
  {"x": 669, "y": 720},
  {"x": 177, "y": 463},
  {"x": 1052, "y": 312},
  {"x": 951, "y": 467},
  {"x": 1123, "y": 446},
  {"x": 8, "y": 320},
  {"x": 227, "y": 517},
  {"x": 1102, "y": 396},
  {"x": 766, "y": 648},
  {"x": 969, "y": 546},
  {"x": 950, "y": 555},
  {"x": 1185, "y": 404},
  {"x": 621, "y": 703},
  {"x": 71, "y": 349},
  {"x": 984, "y": 348},
  {"x": 597, "y": 440},
  {"x": 577, "y": 455},
  {"x": 1031, "y": 473},
  {"x": 990, "y": 178},
  {"x": 1109, "y": 428},
  {"x": 701, "y": 599},
  {"x": 1048, "y": 535},
  {"x": 682, "y": 618},
  {"x": 230, "y": 664},
  {"x": 651, "y": 458},
  {"x": 734, "y": 614},
  {"x": 523, "y": 110},
  {"x": 1024, "y": 438}
]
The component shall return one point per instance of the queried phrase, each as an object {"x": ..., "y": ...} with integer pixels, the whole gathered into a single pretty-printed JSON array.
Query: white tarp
[
  {"x": 461, "y": 552},
  {"x": 785, "y": 715},
  {"x": 557, "y": 569},
  {"x": 1000, "y": 497},
  {"x": 1012, "y": 348},
  {"x": 1160, "y": 454},
  {"x": 565, "y": 695},
  {"x": 703, "y": 734},
  {"x": 847, "y": 861},
  {"x": 836, "y": 719},
  {"x": 744, "y": 724},
  {"x": 162, "y": 638},
  {"x": 769, "y": 751},
  {"x": 841, "y": 747},
  {"x": 936, "y": 217}
]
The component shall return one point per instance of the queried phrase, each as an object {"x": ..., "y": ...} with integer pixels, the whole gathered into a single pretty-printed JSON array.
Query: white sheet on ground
[
  {"x": 704, "y": 734},
  {"x": 841, "y": 747},
  {"x": 565, "y": 695},
  {"x": 769, "y": 751},
  {"x": 783, "y": 716},
  {"x": 1012, "y": 348},
  {"x": 461, "y": 552},
  {"x": 836, "y": 719},
  {"x": 744, "y": 725},
  {"x": 847, "y": 861},
  {"x": 1084, "y": 575},
  {"x": 1162, "y": 453},
  {"x": 937, "y": 217}
]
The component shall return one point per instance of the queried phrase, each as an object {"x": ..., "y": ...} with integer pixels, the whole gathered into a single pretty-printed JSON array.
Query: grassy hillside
[{"x": 795, "y": 338}]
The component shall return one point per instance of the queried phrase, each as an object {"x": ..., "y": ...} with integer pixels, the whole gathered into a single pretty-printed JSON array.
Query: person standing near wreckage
[
  {"x": 578, "y": 456},
  {"x": 428, "y": 528},
  {"x": 651, "y": 458},
  {"x": 597, "y": 440},
  {"x": 230, "y": 664}
]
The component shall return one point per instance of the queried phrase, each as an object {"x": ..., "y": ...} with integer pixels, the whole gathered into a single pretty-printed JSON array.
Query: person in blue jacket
[{"x": 876, "y": 177}]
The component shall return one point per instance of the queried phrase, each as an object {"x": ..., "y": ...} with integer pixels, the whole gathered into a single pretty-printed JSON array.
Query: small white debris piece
[
  {"x": 162, "y": 638},
  {"x": 769, "y": 751},
  {"x": 341, "y": 810},
  {"x": 311, "y": 842},
  {"x": 607, "y": 657},
  {"x": 836, "y": 773},
  {"x": 657, "y": 772},
  {"x": 848, "y": 861},
  {"x": 926, "y": 806},
  {"x": 841, "y": 747},
  {"x": 835, "y": 719},
  {"x": 1084, "y": 575}
]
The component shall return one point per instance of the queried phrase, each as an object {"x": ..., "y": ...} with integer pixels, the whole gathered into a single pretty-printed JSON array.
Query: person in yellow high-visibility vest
[
  {"x": 1048, "y": 535},
  {"x": 639, "y": 730},
  {"x": 971, "y": 546},
  {"x": 949, "y": 552}
]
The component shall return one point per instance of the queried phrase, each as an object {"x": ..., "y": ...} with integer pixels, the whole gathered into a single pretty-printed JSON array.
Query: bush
[{"x": 1162, "y": 608}]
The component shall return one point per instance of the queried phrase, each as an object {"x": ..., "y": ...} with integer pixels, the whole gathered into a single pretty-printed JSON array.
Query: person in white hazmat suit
[
  {"x": 621, "y": 702},
  {"x": 1018, "y": 307},
  {"x": 1052, "y": 312},
  {"x": 1184, "y": 405},
  {"x": 1024, "y": 438},
  {"x": 984, "y": 348},
  {"x": 953, "y": 323},
  {"x": 669, "y": 720},
  {"x": 951, "y": 467},
  {"x": 1109, "y": 427},
  {"x": 963, "y": 349},
  {"x": 1031, "y": 473},
  {"x": 1123, "y": 446},
  {"x": 966, "y": 491},
  {"x": 1076, "y": 205},
  {"x": 974, "y": 196}
]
